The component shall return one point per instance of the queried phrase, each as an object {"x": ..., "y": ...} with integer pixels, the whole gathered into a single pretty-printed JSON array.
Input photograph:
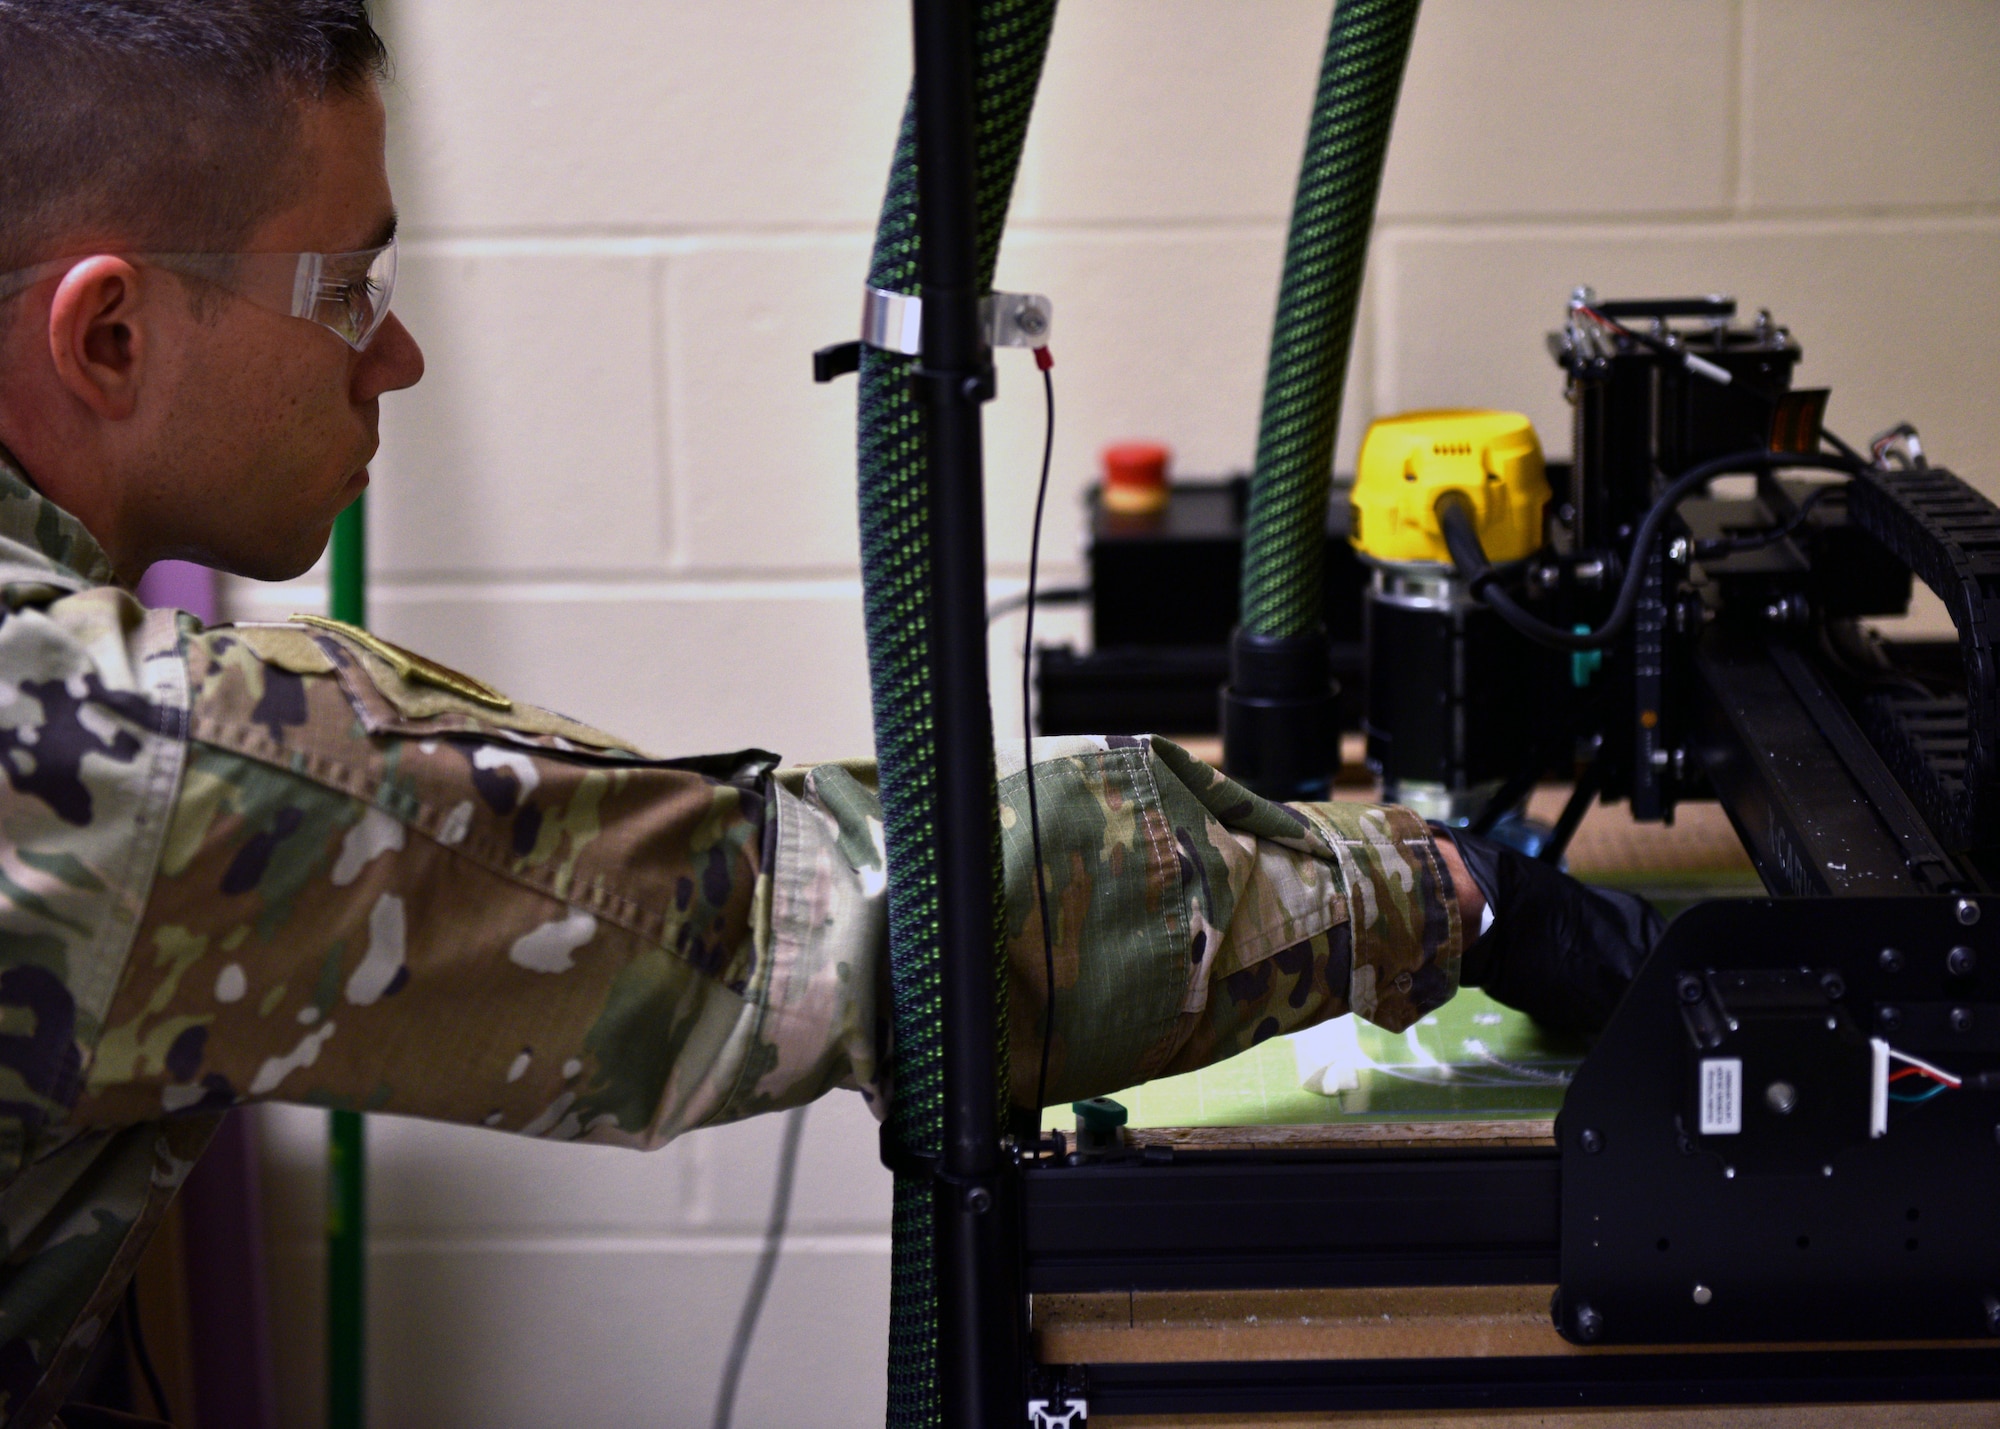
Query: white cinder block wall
[{"x": 628, "y": 223}]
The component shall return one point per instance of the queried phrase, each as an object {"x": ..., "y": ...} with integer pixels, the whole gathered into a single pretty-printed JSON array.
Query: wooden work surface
[
  {"x": 1369, "y": 1323},
  {"x": 1388, "y": 1135}
]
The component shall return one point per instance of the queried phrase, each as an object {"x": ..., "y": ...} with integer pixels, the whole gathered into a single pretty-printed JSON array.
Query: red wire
[{"x": 1918, "y": 1072}]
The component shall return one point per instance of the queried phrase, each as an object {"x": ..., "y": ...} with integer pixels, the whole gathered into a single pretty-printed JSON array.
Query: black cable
[
  {"x": 1758, "y": 540},
  {"x": 1470, "y": 563},
  {"x": 1054, "y": 595},
  {"x": 1832, "y": 439},
  {"x": 1028, "y": 753},
  {"x": 1519, "y": 784},
  {"x": 136, "y": 1334},
  {"x": 767, "y": 1266},
  {"x": 1580, "y": 799}
]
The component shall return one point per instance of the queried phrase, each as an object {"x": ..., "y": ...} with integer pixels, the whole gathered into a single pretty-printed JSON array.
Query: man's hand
[{"x": 1559, "y": 950}]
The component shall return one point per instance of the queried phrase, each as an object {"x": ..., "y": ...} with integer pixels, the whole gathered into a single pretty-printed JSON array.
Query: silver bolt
[
  {"x": 1960, "y": 961},
  {"x": 1729, "y": 1173},
  {"x": 1679, "y": 549},
  {"x": 1968, "y": 912},
  {"x": 1781, "y": 1097},
  {"x": 1702, "y": 1295},
  {"x": 979, "y": 1200},
  {"x": 1826, "y": 1170},
  {"x": 1030, "y": 321}
]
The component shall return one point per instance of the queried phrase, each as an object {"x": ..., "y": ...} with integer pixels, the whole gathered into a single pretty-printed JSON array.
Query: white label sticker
[{"x": 1721, "y": 1096}]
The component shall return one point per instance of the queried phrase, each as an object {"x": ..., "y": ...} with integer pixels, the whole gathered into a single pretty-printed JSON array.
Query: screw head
[
  {"x": 1589, "y": 1324},
  {"x": 1729, "y": 1173},
  {"x": 1592, "y": 1141},
  {"x": 1690, "y": 987},
  {"x": 1833, "y": 985},
  {"x": 1961, "y": 1019},
  {"x": 978, "y": 1200},
  {"x": 1960, "y": 961},
  {"x": 1992, "y": 1315},
  {"x": 1889, "y": 1018},
  {"x": 1702, "y": 1295},
  {"x": 1781, "y": 1097},
  {"x": 1968, "y": 912},
  {"x": 1889, "y": 960}
]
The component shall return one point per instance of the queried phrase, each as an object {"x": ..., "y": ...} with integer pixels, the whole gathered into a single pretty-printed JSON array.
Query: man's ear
[{"x": 98, "y": 334}]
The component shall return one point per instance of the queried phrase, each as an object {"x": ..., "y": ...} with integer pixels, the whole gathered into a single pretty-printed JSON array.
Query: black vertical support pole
[{"x": 978, "y": 1331}]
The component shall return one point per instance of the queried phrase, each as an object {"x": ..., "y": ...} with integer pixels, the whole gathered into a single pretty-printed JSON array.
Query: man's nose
[{"x": 391, "y": 362}]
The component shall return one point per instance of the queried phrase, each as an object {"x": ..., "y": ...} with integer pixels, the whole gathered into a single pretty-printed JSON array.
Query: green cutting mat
[{"x": 1471, "y": 1059}]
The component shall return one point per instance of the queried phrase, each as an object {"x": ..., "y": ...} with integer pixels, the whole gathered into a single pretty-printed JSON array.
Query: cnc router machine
[{"x": 1773, "y": 1178}]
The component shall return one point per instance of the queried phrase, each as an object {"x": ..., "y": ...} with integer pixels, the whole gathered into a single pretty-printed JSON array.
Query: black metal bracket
[
  {"x": 836, "y": 361},
  {"x": 931, "y": 385},
  {"x": 902, "y": 1161},
  {"x": 976, "y": 1194}
]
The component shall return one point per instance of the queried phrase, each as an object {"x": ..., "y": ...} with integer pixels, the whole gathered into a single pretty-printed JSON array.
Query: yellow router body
[{"x": 1410, "y": 460}]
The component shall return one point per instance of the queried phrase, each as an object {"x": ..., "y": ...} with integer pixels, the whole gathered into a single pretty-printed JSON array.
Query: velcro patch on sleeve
[
  {"x": 286, "y": 646},
  {"x": 411, "y": 667}
]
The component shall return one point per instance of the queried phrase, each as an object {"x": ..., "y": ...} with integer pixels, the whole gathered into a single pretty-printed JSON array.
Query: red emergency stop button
[{"x": 1135, "y": 478}]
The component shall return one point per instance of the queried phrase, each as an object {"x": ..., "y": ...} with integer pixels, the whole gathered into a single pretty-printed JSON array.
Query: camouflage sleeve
[
  {"x": 1192, "y": 919},
  {"x": 388, "y": 888}
]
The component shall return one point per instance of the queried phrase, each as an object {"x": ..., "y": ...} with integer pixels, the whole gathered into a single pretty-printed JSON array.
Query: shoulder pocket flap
[{"x": 398, "y": 692}]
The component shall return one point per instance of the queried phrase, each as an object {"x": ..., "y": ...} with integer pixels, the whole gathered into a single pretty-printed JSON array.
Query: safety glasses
[{"x": 346, "y": 293}]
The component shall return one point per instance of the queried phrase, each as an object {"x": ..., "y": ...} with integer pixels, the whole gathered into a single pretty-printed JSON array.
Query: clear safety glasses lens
[{"x": 348, "y": 293}]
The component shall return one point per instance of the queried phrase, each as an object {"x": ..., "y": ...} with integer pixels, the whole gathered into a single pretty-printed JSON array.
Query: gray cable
[{"x": 767, "y": 1266}]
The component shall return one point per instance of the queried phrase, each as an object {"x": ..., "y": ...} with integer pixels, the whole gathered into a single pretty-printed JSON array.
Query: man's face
[{"x": 263, "y": 426}]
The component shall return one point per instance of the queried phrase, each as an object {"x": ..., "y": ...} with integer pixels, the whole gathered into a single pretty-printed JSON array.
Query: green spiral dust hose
[
  {"x": 1332, "y": 215},
  {"x": 347, "y": 1142},
  {"x": 1010, "y": 41}
]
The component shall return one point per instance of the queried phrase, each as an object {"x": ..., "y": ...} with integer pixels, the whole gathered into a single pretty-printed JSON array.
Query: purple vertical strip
[
  {"x": 229, "y": 1312},
  {"x": 182, "y": 586}
]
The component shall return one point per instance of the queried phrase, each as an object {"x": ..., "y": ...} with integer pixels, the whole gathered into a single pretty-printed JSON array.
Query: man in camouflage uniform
[{"x": 291, "y": 861}]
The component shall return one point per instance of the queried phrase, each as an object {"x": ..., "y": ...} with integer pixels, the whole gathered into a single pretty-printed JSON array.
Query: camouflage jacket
[{"x": 291, "y": 861}]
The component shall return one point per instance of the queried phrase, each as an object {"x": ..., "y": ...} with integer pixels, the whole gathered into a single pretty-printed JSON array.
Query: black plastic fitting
[{"x": 1279, "y": 732}]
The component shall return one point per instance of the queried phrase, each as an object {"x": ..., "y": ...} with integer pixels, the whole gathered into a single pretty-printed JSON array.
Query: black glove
[{"x": 1559, "y": 950}]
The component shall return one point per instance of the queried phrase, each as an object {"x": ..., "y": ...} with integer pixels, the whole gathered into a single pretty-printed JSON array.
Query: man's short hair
[{"x": 168, "y": 126}]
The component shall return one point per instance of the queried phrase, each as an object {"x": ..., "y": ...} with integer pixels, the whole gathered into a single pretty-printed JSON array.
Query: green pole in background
[{"x": 346, "y": 1160}]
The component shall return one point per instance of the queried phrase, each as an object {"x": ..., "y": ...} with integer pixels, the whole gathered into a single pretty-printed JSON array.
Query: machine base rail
[
  {"x": 1219, "y": 1221},
  {"x": 1599, "y": 1380}
]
